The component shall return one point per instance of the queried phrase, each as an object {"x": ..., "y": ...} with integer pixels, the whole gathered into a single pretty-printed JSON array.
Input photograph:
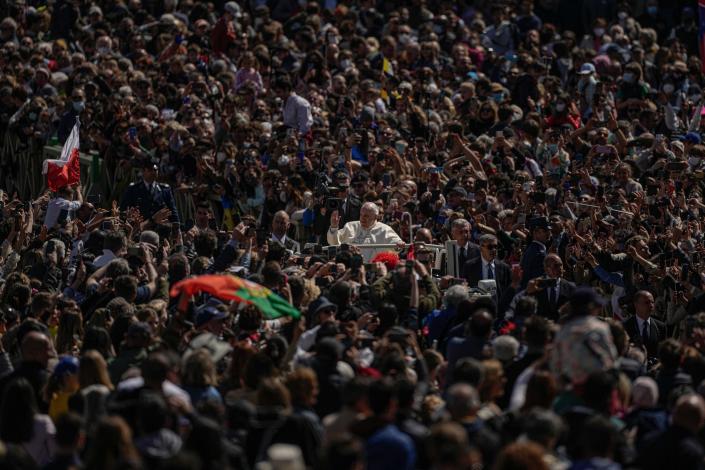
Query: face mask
[
  {"x": 560, "y": 107},
  {"x": 498, "y": 97},
  {"x": 599, "y": 32},
  {"x": 652, "y": 10},
  {"x": 694, "y": 161},
  {"x": 629, "y": 77},
  {"x": 258, "y": 22},
  {"x": 668, "y": 88},
  {"x": 622, "y": 15},
  {"x": 32, "y": 116},
  {"x": 404, "y": 39},
  {"x": 345, "y": 64},
  {"x": 220, "y": 157},
  {"x": 79, "y": 106},
  {"x": 566, "y": 62},
  {"x": 103, "y": 50}
]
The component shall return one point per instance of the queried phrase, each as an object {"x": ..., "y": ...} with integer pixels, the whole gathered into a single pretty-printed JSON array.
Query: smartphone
[
  {"x": 521, "y": 219},
  {"x": 546, "y": 283},
  {"x": 93, "y": 199},
  {"x": 386, "y": 179},
  {"x": 178, "y": 39},
  {"x": 132, "y": 132},
  {"x": 261, "y": 236},
  {"x": 175, "y": 229},
  {"x": 334, "y": 269}
]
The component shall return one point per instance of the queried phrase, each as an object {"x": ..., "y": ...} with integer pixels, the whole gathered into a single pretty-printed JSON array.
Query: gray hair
[
  {"x": 454, "y": 295},
  {"x": 459, "y": 223},
  {"x": 505, "y": 347},
  {"x": 370, "y": 206},
  {"x": 487, "y": 237},
  {"x": 150, "y": 236},
  {"x": 462, "y": 400}
]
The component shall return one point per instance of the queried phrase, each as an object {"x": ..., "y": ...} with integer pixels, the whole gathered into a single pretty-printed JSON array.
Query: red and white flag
[{"x": 65, "y": 171}]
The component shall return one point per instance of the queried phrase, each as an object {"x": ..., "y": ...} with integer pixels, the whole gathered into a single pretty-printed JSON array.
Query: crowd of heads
[{"x": 536, "y": 169}]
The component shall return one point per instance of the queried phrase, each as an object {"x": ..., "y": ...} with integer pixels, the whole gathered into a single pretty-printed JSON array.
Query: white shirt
[
  {"x": 353, "y": 233},
  {"x": 485, "y": 271},
  {"x": 640, "y": 325},
  {"x": 297, "y": 113},
  {"x": 54, "y": 208},
  {"x": 104, "y": 259}
]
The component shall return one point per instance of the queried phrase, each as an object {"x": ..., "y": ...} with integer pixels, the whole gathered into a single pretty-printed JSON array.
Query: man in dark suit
[
  {"x": 148, "y": 195},
  {"x": 350, "y": 211},
  {"x": 642, "y": 328},
  {"x": 487, "y": 266},
  {"x": 551, "y": 291},
  {"x": 280, "y": 229},
  {"x": 467, "y": 250},
  {"x": 532, "y": 261}
]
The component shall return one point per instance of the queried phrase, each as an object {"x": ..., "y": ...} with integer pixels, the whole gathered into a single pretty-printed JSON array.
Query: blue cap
[
  {"x": 67, "y": 365},
  {"x": 206, "y": 313}
]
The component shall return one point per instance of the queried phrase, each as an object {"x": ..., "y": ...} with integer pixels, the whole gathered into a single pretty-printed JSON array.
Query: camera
[
  {"x": 546, "y": 283},
  {"x": 334, "y": 204}
]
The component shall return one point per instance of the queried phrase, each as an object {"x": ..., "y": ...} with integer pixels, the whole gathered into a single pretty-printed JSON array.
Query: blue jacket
[
  {"x": 389, "y": 448},
  {"x": 137, "y": 195}
]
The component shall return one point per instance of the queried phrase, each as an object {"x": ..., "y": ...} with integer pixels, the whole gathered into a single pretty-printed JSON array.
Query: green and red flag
[{"x": 227, "y": 287}]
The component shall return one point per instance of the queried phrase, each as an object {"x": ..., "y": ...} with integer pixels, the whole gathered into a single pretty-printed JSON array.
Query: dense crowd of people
[{"x": 552, "y": 149}]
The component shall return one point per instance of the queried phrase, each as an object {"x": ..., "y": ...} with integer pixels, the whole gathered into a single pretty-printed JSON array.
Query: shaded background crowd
[{"x": 555, "y": 145}]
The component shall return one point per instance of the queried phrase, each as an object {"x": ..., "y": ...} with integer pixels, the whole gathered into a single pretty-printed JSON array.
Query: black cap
[{"x": 539, "y": 222}]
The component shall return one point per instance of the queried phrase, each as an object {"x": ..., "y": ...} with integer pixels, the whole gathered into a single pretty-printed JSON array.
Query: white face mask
[
  {"x": 599, "y": 32},
  {"x": 404, "y": 38},
  {"x": 622, "y": 15},
  {"x": 629, "y": 77},
  {"x": 345, "y": 64},
  {"x": 668, "y": 88},
  {"x": 560, "y": 107}
]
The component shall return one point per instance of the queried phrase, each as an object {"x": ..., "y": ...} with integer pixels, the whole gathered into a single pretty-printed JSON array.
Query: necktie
[
  {"x": 645, "y": 331},
  {"x": 552, "y": 297},
  {"x": 490, "y": 272}
]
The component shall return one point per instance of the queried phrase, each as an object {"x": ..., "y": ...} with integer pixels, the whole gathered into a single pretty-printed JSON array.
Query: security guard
[{"x": 149, "y": 196}]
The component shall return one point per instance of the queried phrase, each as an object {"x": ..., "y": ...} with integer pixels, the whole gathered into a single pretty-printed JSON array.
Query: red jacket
[{"x": 222, "y": 35}]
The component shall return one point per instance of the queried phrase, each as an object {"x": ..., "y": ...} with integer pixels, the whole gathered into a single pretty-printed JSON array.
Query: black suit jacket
[
  {"x": 137, "y": 195},
  {"x": 657, "y": 333},
  {"x": 472, "y": 272},
  {"x": 548, "y": 310}
]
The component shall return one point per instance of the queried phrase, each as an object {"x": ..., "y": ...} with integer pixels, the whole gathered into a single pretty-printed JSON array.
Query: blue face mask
[
  {"x": 79, "y": 106},
  {"x": 498, "y": 97},
  {"x": 552, "y": 148},
  {"x": 652, "y": 10}
]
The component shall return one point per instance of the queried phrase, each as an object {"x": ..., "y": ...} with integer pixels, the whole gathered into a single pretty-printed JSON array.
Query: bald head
[
  {"x": 36, "y": 347},
  {"x": 423, "y": 235},
  {"x": 280, "y": 224},
  {"x": 689, "y": 412}
]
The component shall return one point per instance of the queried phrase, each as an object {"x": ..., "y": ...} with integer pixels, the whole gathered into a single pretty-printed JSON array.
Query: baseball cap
[
  {"x": 206, "y": 313},
  {"x": 586, "y": 69},
  {"x": 321, "y": 303},
  {"x": 234, "y": 9},
  {"x": 460, "y": 190},
  {"x": 67, "y": 365}
]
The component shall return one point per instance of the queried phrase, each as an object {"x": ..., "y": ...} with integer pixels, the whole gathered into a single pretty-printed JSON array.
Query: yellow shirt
[{"x": 59, "y": 404}]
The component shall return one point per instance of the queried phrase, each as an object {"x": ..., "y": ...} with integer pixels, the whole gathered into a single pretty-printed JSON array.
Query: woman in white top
[{"x": 21, "y": 423}]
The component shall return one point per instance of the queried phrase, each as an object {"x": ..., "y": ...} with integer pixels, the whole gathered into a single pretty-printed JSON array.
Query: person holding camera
[
  {"x": 367, "y": 230},
  {"x": 551, "y": 291}
]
